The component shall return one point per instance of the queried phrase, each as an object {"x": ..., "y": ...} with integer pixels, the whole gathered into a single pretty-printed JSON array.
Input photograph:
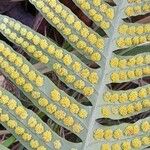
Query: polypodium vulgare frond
[{"x": 95, "y": 84}]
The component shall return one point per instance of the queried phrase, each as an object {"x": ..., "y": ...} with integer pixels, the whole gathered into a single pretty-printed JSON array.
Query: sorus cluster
[
  {"x": 42, "y": 101},
  {"x": 22, "y": 36},
  {"x": 134, "y": 73},
  {"x": 20, "y": 131},
  {"x": 66, "y": 103},
  {"x": 15, "y": 75},
  {"x": 126, "y": 109},
  {"x": 55, "y": 53},
  {"x": 46, "y": 134},
  {"x": 13, "y": 105},
  {"x": 133, "y": 61},
  {"x": 123, "y": 42},
  {"x": 127, "y": 96},
  {"x": 83, "y": 38},
  {"x": 19, "y": 62},
  {"x": 122, "y": 132},
  {"x": 128, "y": 131},
  {"x": 60, "y": 115},
  {"x": 97, "y": 11},
  {"x": 79, "y": 84},
  {"x": 136, "y": 143},
  {"x": 137, "y": 9},
  {"x": 126, "y": 29},
  {"x": 32, "y": 122},
  {"x": 138, "y": 97}
]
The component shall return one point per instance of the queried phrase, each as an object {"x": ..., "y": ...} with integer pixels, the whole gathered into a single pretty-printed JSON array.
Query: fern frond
[
  {"x": 99, "y": 11},
  {"x": 60, "y": 107},
  {"x": 92, "y": 83},
  {"x": 135, "y": 9},
  {"x": 67, "y": 66},
  {"x": 128, "y": 135},
  {"x": 88, "y": 43},
  {"x": 125, "y": 103},
  {"x": 26, "y": 126}
]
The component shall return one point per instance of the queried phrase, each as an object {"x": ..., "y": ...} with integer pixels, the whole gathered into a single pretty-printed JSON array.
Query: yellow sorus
[
  {"x": 131, "y": 130},
  {"x": 39, "y": 129},
  {"x": 29, "y": 35},
  {"x": 14, "y": 75},
  {"x": 123, "y": 29},
  {"x": 58, "y": 53},
  {"x": 146, "y": 103},
  {"x": 87, "y": 91},
  {"x": 114, "y": 97},
  {"x": 4, "y": 117},
  {"x": 57, "y": 144},
  {"x": 19, "y": 130},
  {"x": 21, "y": 112},
  {"x": 47, "y": 136},
  {"x": 74, "y": 108},
  {"x": 93, "y": 77},
  {"x": 126, "y": 145},
  {"x": 114, "y": 62},
  {"x": 122, "y": 63},
  {"x": 105, "y": 147},
  {"x": 85, "y": 73},
  {"x": 25, "y": 69},
  {"x": 138, "y": 106},
  {"x": 130, "y": 109},
  {"x": 98, "y": 134},
  {"x": 32, "y": 122},
  {"x": 142, "y": 93},
  {"x": 11, "y": 124},
  {"x": 145, "y": 126},
  {"x": 59, "y": 114},
  {"x": 12, "y": 104},
  {"x": 76, "y": 66},
  {"x": 133, "y": 95},
  {"x": 108, "y": 133},
  {"x": 123, "y": 110},
  {"x": 4, "y": 99},
  {"x": 26, "y": 136},
  {"x": 106, "y": 111},
  {"x": 51, "y": 108},
  {"x": 83, "y": 113},
  {"x": 19, "y": 61},
  {"x": 77, "y": 128},
  {"x": 34, "y": 144},
  {"x": 55, "y": 95},
  {"x": 62, "y": 71},
  {"x": 31, "y": 75},
  {"x": 145, "y": 140},
  {"x": 96, "y": 56},
  {"x": 20, "y": 81},
  {"x": 115, "y": 77},
  {"x": 117, "y": 134},
  {"x": 136, "y": 143},
  {"x": 65, "y": 102},
  {"x": 35, "y": 94},
  {"x": 131, "y": 74},
  {"x": 28, "y": 87},
  {"x": 69, "y": 121},
  {"x": 43, "y": 102},
  {"x": 67, "y": 59},
  {"x": 79, "y": 84}
]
